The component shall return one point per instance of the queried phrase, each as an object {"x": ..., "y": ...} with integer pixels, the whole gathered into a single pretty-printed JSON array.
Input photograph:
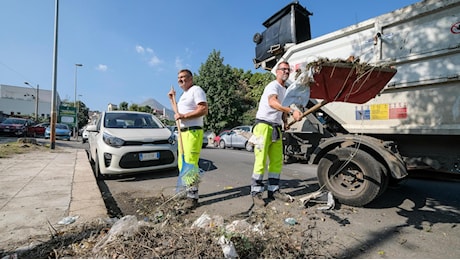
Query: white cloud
[
  {"x": 154, "y": 60},
  {"x": 101, "y": 67},
  {"x": 179, "y": 63},
  {"x": 140, "y": 49}
]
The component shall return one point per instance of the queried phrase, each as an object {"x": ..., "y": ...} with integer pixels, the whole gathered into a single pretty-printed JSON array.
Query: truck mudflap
[{"x": 357, "y": 168}]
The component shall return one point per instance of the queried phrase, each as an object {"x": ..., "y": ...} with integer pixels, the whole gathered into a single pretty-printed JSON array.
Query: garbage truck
[{"x": 412, "y": 121}]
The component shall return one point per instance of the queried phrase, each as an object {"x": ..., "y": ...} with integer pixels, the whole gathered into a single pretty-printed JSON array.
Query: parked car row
[
  {"x": 22, "y": 127},
  {"x": 16, "y": 126}
]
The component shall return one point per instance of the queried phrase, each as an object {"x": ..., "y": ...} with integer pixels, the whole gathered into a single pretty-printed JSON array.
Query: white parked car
[
  {"x": 84, "y": 135},
  {"x": 124, "y": 142}
]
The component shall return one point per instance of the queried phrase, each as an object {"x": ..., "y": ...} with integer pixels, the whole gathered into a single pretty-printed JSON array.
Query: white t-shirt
[
  {"x": 267, "y": 113},
  {"x": 188, "y": 102}
]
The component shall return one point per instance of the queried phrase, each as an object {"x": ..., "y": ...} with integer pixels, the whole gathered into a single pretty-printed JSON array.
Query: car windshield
[
  {"x": 14, "y": 121},
  {"x": 62, "y": 126},
  {"x": 131, "y": 120}
]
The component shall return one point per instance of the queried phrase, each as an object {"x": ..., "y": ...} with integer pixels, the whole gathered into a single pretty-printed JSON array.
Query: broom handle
[
  {"x": 174, "y": 106},
  {"x": 309, "y": 111}
]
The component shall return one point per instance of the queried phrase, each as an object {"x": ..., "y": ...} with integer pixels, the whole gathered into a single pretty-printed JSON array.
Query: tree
[
  {"x": 82, "y": 115},
  {"x": 123, "y": 106},
  {"x": 220, "y": 84}
]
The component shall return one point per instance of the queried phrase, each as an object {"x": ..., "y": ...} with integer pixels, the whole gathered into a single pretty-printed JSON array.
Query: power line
[{"x": 17, "y": 72}]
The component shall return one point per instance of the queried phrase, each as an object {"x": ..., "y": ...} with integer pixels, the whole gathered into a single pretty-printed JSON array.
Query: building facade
[{"x": 21, "y": 101}]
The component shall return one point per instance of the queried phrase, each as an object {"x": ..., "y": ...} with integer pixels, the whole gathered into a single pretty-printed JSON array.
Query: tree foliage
[
  {"x": 123, "y": 106},
  {"x": 220, "y": 85}
]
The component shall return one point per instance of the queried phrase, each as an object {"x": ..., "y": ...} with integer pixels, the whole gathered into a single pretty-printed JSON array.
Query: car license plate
[
  {"x": 149, "y": 156},
  {"x": 6, "y": 130}
]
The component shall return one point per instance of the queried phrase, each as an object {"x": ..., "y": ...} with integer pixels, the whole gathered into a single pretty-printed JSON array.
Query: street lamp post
[
  {"x": 75, "y": 101},
  {"x": 36, "y": 99}
]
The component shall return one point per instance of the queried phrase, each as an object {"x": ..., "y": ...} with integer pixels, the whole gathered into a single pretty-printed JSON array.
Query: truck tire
[{"x": 354, "y": 180}]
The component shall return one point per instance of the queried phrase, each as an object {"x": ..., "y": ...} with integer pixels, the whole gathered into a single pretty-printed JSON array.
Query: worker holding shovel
[{"x": 189, "y": 113}]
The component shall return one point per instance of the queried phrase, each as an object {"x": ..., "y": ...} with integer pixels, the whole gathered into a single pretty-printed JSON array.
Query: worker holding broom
[{"x": 189, "y": 112}]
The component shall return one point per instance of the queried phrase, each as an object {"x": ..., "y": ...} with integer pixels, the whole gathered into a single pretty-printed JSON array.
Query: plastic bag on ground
[{"x": 228, "y": 248}]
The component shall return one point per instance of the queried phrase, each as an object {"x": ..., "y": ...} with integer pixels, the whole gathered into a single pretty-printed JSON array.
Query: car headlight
[
  {"x": 112, "y": 140},
  {"x": 172, "y": 139}
]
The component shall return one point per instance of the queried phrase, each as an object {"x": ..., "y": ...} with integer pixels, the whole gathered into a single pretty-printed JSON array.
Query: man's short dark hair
[{"x": 186, "y": 71}]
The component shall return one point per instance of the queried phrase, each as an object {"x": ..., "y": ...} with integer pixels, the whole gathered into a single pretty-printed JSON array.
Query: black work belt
[
  {"x": 276, "y": 133},
  {"x": 185, "y": 129}
]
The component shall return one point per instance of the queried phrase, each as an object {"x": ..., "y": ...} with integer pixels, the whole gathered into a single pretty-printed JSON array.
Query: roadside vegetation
[{"x": 22, "y": 145}]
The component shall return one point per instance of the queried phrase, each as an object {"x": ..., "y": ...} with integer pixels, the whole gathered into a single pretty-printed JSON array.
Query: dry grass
[
  {"x": 23, "y": 145},
  {"x": 166, "y": 232}
]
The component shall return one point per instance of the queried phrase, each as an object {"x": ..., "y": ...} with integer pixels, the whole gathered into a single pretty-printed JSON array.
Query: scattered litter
[
  {"x": 68, "y": 220},
  {"x": 228, "y": 248},
  {"x": 310, "y": 196},
  {"x": 243, "y": 227},
  {"x": 319, "y": 197},
  {"x": 207, "y": 222},
  {"x": 127, "y": 226},
  {"x": 290, "y": 221},
  {"x": 330, "y": 202}
]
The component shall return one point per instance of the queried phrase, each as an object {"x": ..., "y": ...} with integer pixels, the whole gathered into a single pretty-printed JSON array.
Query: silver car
[
  {"x": 124, "y": 142},
  {"x": 235, "y": 139},
  {"x": 206, "y": 135}
]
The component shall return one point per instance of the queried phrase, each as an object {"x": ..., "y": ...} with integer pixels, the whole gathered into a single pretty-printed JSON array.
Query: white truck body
[
  {"x": 414, "y": 122},
  {"x": 423, "y": 42}
]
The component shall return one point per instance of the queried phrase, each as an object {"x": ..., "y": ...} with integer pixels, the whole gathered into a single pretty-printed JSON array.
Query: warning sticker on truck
[{"x": 381, "y": 111}]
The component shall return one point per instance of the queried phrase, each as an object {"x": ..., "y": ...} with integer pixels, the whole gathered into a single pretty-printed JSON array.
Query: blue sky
[{"x": 131, "y": 50}]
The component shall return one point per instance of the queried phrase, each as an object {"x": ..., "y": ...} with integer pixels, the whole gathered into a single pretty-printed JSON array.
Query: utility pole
[
  {"x": 75, "y": 102},
  {"x": 54, "y": 92}
]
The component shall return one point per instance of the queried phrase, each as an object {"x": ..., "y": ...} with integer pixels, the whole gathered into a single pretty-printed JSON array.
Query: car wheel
[
  {"x": 222, "y": 144},
  {"x": 353, "y": 176},
  {"x": 97, "y": 168}
]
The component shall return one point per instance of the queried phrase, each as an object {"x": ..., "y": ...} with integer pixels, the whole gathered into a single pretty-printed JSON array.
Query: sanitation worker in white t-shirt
[
  {"x": 192, "y": 107},
  {"x": 269, "y": 120}
]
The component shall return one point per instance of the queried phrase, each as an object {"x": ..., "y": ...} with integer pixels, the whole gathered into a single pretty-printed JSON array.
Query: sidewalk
[{"x": 39, "y": 189}]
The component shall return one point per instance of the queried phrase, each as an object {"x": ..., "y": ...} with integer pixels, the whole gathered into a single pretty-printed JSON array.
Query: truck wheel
[
  {"x": 354, "y": 180},
  {"x": 385, "y": 179}
]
